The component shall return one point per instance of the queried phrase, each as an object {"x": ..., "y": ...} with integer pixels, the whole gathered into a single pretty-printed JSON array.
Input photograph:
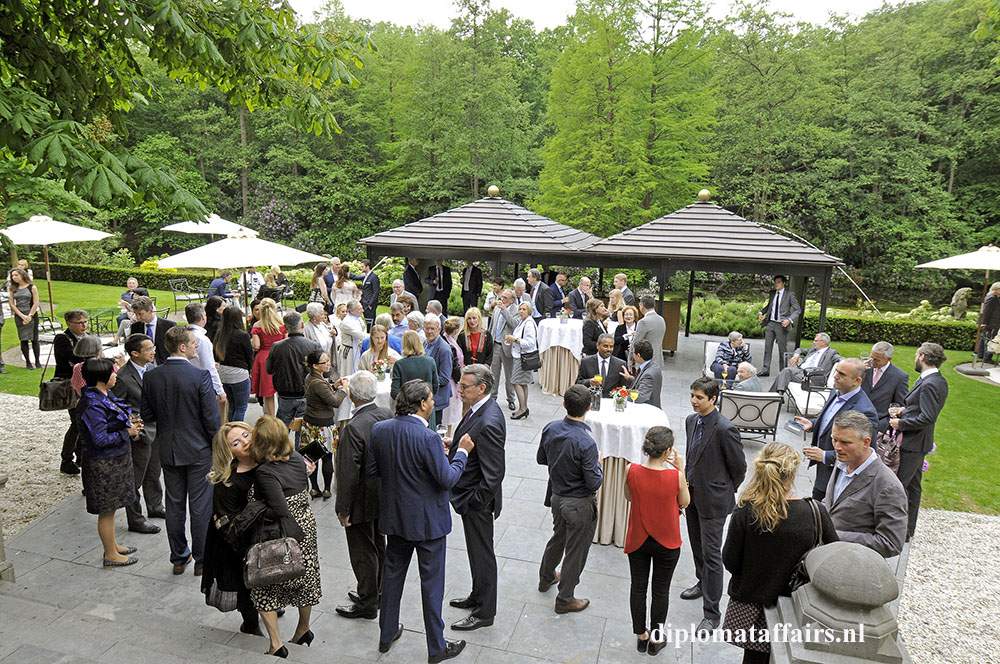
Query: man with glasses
[
  {"x": 502, "y": 322},
  {"x": 62, "y": 348}
]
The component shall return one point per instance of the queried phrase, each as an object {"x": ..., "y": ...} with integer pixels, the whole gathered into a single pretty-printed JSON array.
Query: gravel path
[{"x": 30, "y": 442}]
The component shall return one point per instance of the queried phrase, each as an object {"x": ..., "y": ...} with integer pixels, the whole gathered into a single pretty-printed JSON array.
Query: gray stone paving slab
[
  {"x": 571, "y": 637},
  {"x": 34, "y": 655}
]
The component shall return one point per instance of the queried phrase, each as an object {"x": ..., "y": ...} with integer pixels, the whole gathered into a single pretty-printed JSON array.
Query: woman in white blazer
[{"x": 523, "y": 339}]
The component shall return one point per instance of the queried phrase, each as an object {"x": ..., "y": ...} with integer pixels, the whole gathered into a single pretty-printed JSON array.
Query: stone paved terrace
[{"x": 65, "y": 608}]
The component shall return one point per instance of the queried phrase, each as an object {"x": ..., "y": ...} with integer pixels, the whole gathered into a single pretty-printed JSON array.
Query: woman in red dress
[{"x": 265, "y": 333}]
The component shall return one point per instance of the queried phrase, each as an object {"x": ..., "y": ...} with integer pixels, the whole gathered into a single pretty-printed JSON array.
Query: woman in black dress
[
  {"x": 214, "y": 307},
  {"x": 594, "y": 325},
  {"x": 769, "y": 532},
  {"x": 232, "y": 476}
]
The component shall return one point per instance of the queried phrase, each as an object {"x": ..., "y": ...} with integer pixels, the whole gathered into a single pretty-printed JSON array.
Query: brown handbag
[
  {"x": 273, "y": 561},
  {"x": 55, "y": 394}
]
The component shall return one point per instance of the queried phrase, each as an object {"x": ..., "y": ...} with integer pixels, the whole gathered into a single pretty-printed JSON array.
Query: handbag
[
  {"x": 887, "y": 448},
  {"x": 273, "y": 561},
  {"x": 530, "y": 360},
  {"x": 800, "y": 576},
  {"x": 55, "y": 394}
]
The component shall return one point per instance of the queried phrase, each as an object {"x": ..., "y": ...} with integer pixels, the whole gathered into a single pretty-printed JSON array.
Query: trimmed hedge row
[
  {"x": 957, "y": 335},
  {"x": 106, "y": 275}
]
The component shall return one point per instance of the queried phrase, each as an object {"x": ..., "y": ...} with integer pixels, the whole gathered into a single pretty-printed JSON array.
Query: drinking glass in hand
[
  {"x": 895, "y": 410},
  {"x": 442, "y": 430}
]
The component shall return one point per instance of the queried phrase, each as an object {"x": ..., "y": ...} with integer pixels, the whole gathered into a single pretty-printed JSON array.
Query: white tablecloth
[
  {"x": 621, "y": 434},
  {"x": 382, "y": 398},
  {"x": 568, "y": 335}
]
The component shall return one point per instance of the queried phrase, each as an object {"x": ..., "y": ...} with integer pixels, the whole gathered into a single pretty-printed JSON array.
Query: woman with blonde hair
[
  {"x": 616, "y": 305},
  {"x": 378, "y": 349},
  {"x": 232, "y": 476},
  {"x": 413, "y": 364},
  {"x": 475, "y": 341},
  {"x": 282, "y": 484},
  {"x": 266, "y": 332},
  {"x": 769, "y": 532}
]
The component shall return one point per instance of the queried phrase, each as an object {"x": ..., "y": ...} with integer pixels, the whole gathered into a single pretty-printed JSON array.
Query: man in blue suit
[
  {"x": 416, "y": 477},
  {"x": 438, "y": 348},
  {"x": 847, "y": 395},
  {"x": 178, "y": 397}
]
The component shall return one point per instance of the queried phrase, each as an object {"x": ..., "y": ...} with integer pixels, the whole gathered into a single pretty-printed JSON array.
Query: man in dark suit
[
  {"x": 154, "y": 327},
  {"x": 921, "y": 408},
  {"x": 777, "y": 318},
  {"x": 370, "y": 289},
  {"x": 621, "y": 283},
  {"x": 411, "y": 279},
  {"x": 477, "y": 496},
  {"x": 884, "y": 382},
  {"x": 715, "y": 468},
  {"x": 62, "y": 350},
  {"x": 605, "y": 365},
  {"x": 541, "y": 296},
  {"x": 414, "y": 514},
  {"x": 439, "y": 349},
  {"x": 439, "y": 279},
  {"x": 472, "y": 286},
  {"x": 357, "y": 503},
  {"x": 179, "y": 399},
  {"x": 560, "y": 300},
  {"x": 578, "y": 298},
  {"x": 818, "y": 359},
  {"x": 139, "y": 349},
  {"x": 847, "y": 395},
  {"x": 648, "y": 380}
]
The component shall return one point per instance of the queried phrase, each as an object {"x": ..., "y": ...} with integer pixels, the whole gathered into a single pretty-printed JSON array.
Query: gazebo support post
[
  {"x": 824, "y": 299},
  {"x": 800, "y": 286},
  {"x": 600, "y": 280},
  {"x": 687, "y": 322}
]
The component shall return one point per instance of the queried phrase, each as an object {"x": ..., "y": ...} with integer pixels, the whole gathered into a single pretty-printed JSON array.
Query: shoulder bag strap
[
  {"x": 52, "y": 348},
  {"x": 817, "y": 522}
]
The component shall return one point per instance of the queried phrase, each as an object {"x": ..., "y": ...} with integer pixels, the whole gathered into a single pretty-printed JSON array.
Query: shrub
[
  {"x": 956, "y": 335},
  {"x": 108, "y": 275}
]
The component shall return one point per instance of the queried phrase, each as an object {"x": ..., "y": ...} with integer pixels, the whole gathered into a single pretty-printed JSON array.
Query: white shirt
[
  {"x": 206, "y": 357},
  {"x": 813, "y": 360},
  {"x": 927, "y": 372},
  {"x": 140, "y": 370},
  {"x": 254, "y": 281}
]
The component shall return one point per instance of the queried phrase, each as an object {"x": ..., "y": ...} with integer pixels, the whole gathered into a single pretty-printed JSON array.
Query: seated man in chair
[{"x": 818, "y": 359}]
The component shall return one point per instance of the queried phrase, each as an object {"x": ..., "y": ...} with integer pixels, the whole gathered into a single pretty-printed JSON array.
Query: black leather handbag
[
  {"x": 55, "y": 394},
  {"x": 530, "y": 360}
]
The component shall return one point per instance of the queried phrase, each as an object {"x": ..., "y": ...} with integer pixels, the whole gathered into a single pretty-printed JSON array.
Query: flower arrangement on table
[
  {"x": 379, "y": 367},
  {"x": 565, "y": 314},
  {"x": 619, "y": 394}
]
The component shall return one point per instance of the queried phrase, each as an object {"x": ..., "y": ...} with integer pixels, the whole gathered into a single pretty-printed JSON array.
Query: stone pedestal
[
  {"x": 843, "y": 615},
  {"x": 6, "y": 568}
]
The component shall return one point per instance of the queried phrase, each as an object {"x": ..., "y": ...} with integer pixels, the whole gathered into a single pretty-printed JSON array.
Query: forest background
[{"x": 875, "y": 139}]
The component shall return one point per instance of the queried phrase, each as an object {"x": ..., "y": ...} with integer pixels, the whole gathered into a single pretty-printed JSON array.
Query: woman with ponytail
[{"x": 769, "y": 532}]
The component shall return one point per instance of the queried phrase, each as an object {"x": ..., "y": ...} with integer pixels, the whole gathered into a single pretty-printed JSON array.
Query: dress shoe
[
  {"x": 655, "y": 647},
  {"x": 641, "y": 644},
  {"x": 705, "y": 626},
  {"x": 69, "y": 468},
  {"x": 179, "y": 569},
  {"x": 355, "y": 611},
  {"x": 694, "y": 592},
  {"x": 199, "y": 569},
  {"x": 470, "y": 623},
  {"x": 578, "y": 604},
  {"x": 463, "y": 603},
  {"x": 451, "y": 649},
  {"x": 144, "y": 527},
  {"x": 2, "y": 370},
  {"x": 280, "y": 612},
  {"x": 281, "y": 652},
  {"x": 306, "y": 639},
  {"x": 511, "y": 405},
  {"x": 354, "y": 596},
  {"x": 251, "y": 629},
  {"x": 543, "y": 587},
  {"x": 158, "y": 513},
  {"x": 384, "y": 647},
  {"x": 764, "y": 374},
  {"x": 523, "y": 415},
  {"x": 315, "y": 493}
]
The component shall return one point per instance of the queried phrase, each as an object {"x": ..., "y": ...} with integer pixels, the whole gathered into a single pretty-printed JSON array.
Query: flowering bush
[{"x": 272, "y": 216}]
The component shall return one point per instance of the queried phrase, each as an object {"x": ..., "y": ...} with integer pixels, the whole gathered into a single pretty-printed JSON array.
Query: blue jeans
[
  {"x": 288, "y": 409},
  {"x": 237, "y": 396}
]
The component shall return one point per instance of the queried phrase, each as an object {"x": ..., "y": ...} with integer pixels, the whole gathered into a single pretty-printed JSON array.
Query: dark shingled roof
[
  {"x": 490, "y": 224},
  {"x": 706, "y": 232}
]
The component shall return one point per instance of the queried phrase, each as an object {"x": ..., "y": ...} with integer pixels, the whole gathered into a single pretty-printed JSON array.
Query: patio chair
[
  {"x": 810, "y": 395},
  {"x": 183, "y": 292},
  {"x": 754, "y": 413}
]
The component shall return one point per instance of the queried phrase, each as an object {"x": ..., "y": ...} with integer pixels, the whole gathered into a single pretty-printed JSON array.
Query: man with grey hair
[
  {"x": 439, "y": 349},
  {"x": 989, "y": 320},
  {"x": 729, "y": 355},
  {"x": 358, "y": 498},
  {"x": 434, "y": 308},
  {"x": 331, "y": 277},
  {"x": 819, "y": 361},
  {"x": 502, "y": 322},
  {"x": 578, "y": 297},
  {"x": 352, "y": 332},
  {"x": 541, "y": 296},
  {"x": 397, "y": 291},
  {"x": 520, "y": 294},
  {"x": 287, "y": 365},
  {"x": 866, "y": 501},
  {"x": 746, "y": 378},
  {"x": 884, "y": 382},
  {"x": 399, "y": 324}
]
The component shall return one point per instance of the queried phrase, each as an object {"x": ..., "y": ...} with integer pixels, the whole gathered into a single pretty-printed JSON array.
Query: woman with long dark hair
[
  {"x": 234, "y": 353},
  {"x": 214, "y": 307},
  {"x": 23, "y": 299},
  {"x": 324, "y": 394}
]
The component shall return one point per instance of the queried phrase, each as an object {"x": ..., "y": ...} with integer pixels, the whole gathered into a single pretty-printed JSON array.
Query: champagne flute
[
  {"x": 633, "y": 394},
  {"x": 725, "y": 373}
]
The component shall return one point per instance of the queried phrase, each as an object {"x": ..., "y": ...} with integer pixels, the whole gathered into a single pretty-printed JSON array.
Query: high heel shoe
[
  {"x": 306, "y": 639},
  {"x": 641, "y": 644},
  {"x": 281, "y": 652},
  {"x": 521, "y": 416}
]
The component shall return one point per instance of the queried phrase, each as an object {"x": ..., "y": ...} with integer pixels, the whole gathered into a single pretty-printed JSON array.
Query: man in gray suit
[
  {"x": 145, "y": 453},
  {"x": 651, "y": 328},
  {"x": 503, "y": 320},
  {"x": 648, "y": 379},
  {"x": 819, "y": 359},
  {"x": 866, "y": 501},
  {"x": 621, "y": 283},
  {"x": 921, "y": 408},
  {"x": 777, "y": 318},
  {"x": 746, "y": 378}
]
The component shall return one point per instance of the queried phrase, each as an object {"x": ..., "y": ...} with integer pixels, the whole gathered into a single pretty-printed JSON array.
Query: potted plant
[
  {"x": 564, "y": 315},
  {"x": 619, "y": 394},
  {"x": 379, "y": 367}
]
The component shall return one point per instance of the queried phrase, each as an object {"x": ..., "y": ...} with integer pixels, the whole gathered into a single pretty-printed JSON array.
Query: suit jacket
[
  {"x": 891, "y": 388},
  {"x": 370, "y": 289},
  {"x": 649, "y": 382},
  {"x": 826, "y": 362},
  {"x": 510, "y": 321},
  {"x": 480, "y": 487},
  {"x": 716, "y": 467},
  {"x": 557, "y": 297},
  {"x": 358, "y": 494},
  {"x": 989, "y": 314},
  {"x": 445, "y": 279},
  {"x": 179, "y": 398},
  {"x": 871, "y": 510},
  {"x": 591, "y": 331},
  {"x": 440, "y": 351},
  {"x": 652, "y": 328},
  {"x": 416, "y": 479},
  {"x": 590, "y": 367},
  {"x": 578, "y": 303},
  {"x": 475, "y": 281},
  {"x": 788, "y": 307},
  {"x": 128, "y": 388},
  {"x": 921, "y": 407},
  {"x": 411, "y": 281},
  {"x": 159, "y": 336},
  {"x": 409, "y": 368},
  {"x": 823, "y": 439},
  {"x": 543, "y": 301},
  {"x": 628, "y": 297}
]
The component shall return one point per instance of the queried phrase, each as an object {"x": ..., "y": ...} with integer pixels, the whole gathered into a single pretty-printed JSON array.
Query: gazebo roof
[
  {"x": 489, "y": 225},
  {"x": 705, "y": 236}
]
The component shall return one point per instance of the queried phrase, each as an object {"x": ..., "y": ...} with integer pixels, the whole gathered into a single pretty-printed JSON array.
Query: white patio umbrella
[
  {"x": 44, "y": 230},
  {"x": 213, "y": 224},
  {"x": 985, "y": 258}
]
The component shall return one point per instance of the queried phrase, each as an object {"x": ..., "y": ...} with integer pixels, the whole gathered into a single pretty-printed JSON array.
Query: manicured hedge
[
  {"x": 117, "y": 276},
  {"x": 956, "y": 335}
]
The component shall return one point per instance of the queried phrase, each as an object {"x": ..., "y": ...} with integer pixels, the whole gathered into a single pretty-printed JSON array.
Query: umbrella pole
[
  {"x": 979, "y": 325},
  {"x": 48, "y": 281}
]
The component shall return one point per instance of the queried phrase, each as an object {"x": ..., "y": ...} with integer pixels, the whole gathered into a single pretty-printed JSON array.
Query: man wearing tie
[
  {"x": 541, "y": 296},
  {"x": 477, "y": 496},
  {"x": 715, "y": 468},
  {"x": 154, "y": 327},
  {"x": 416, "y": 478},
  {"x": 884, "y": 382},
  {"x": 777, "y": 317},
  {"x": 439, "y": 279},
  {"x": 578, "y": 297},
  {"x": 559, "y": 297},
  {"x": 819, "y": 360},
  {"x": 648, "y": 381},
  {"x": 370, "y": 287},
  {"x": 411, "y": 279},
  {"x": 472, "y": 286},
  {"x": 503, "y": 321},
  {"x": 847, "y": 395},
  {"x": 605, "y": 365}
]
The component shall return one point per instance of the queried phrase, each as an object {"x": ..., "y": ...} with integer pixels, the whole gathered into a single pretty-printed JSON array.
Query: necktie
[
  {"x": 440, "y": 284},
  {"x": 875, "y": 376},
  {"x": 698, "y": 431},
  {"x": 604, "y": 368},
  {"x": 777, "y": 302},
  {"x": 149, "y": 330}
]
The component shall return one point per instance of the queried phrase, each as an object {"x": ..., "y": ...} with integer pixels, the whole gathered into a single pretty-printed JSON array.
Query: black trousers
[
  {"x": 478, "y": 527},
  {"x": 663, "y": 561},
  {"x": 910, "y": 475},
  {"x": 705, "y": 535},
  {"x": 366, "y": 550},
  {"x": 140, "y": 465},
  {"x": 71, "y": 440},
  {"x": 326, "y": 468},
  {"x": 469, "y": 299}
]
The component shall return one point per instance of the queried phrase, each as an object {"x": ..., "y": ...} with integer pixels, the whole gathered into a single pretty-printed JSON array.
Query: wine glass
[
  {"x": 633, "y": 394},
  {"x": 725, "y": 373},
  {"x": 442, "y": 430}
]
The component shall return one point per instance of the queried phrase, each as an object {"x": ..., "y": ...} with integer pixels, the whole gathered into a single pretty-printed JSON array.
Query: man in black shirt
[
  {"x": 570, "y": 452},
  {"x": 287, "y": 365}
]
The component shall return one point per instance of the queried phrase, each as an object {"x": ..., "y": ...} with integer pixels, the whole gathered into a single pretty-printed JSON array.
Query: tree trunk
[{"x": 244, "y": 170}]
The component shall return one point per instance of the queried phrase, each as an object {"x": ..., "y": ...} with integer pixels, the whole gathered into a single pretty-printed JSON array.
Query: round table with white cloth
[
  {"x": 619, "y": 439},
  {"x": 560, "y": 345},
  {"x": 382, "y": 398}
]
